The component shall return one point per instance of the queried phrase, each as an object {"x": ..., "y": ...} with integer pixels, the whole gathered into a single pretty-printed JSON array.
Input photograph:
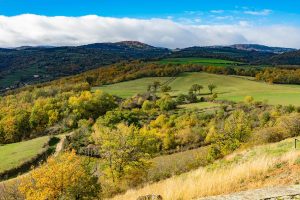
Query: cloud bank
[{"x": 36, "y": 30}]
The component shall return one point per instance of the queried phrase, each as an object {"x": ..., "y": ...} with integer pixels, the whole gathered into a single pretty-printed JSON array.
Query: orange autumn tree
[{"x": 63, "y": 177}]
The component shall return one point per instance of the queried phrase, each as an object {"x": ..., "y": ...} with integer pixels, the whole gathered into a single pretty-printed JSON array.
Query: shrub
[
  {"x": 289, "y": 109},
  {"x": 166, "y": 103},
  {"x": 268, "y": 135},
  {"x": 290, "y": 124},
  {"x": 249, "y": 99},
  {"x": 214, "y": 96},
  {"x": 148, "y": 105},
  {"x": 165, "y": 88},
  {"x": 264, "y": 118},
  {"x": 191, "y": 97},
  {"x": 180, "y": 98}
]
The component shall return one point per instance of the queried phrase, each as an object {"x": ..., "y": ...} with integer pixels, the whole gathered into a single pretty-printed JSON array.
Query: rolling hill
[
  {"x": 227, "y": 53},
  {"x": 29, "y": 65},
  {"x": 288, "y": 58},
  {"x": 261, "y": 48},
  {"x": 231, "y": 88}
]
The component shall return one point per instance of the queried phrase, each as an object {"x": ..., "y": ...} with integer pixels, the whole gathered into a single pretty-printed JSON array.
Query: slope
[
  {"x": 228, "y": 87},
  {"x": 267, "y": 165}
]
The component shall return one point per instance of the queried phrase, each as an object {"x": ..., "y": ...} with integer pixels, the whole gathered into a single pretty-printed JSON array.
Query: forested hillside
[
  {"x": 28, "y": 65},
  {"x": 289, "y": 58},
  {"x": 227, "y": 53}
]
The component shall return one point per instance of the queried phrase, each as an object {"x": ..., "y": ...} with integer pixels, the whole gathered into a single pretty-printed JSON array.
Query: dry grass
[{"x": 222, "y": 180}]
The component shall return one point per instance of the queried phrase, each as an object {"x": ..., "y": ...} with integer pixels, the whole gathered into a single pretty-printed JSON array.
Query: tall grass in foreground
[{"x": 203, "y": 182}]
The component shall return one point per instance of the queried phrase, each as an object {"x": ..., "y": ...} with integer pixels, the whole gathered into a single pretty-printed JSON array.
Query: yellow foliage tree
[{"x": 63, "y": 177}]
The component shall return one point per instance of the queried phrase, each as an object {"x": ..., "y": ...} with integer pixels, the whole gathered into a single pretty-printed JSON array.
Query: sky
[{"x": 164, "y": 23}]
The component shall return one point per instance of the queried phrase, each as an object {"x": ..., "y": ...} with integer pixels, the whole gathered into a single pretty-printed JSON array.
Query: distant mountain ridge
[
  {"x": 288, "y": 58},
  {"x": 122, "y": 45},
  {"x": 28, "y": 64},
  {"x": 223, "y": 52},
  {"x": 263, "y": 48},
  {"x": 36, "y": 64}
]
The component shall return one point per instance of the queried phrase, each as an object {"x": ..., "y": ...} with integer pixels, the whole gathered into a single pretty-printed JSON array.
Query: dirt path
[
  {"x": 61, "y": 144},
  {"x": 273, "y": 193}
]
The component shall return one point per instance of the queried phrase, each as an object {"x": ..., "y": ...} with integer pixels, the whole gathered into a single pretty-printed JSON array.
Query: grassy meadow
[
  {"x": 13, "y": 155},
  {"x": 262, "y": 166},
  {"x": 130, "y": 88},
  {"x": 228, "y": 88},
  {"x": 201, "y": 61}
]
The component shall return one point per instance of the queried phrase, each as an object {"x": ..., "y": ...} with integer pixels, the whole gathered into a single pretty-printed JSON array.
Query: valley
[
  {"x": 149, "y": 100},
  {"x": 139, "y": 127}
]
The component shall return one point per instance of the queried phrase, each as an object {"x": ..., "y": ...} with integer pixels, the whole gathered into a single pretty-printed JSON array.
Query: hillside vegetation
[
  {"x": 267, "y": 165},
  {"x": 18, "y": 66},
  {"x": 120, "y": 142},
  {"x": 29, "y": 65}
]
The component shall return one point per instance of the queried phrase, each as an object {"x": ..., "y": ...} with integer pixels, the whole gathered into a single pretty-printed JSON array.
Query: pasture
[
  {"x": 13, "y": 155},
  {"x": 228, "y": 88},
  {"x": 200, "y": 61},
  {"x": 130, "y": 88}
]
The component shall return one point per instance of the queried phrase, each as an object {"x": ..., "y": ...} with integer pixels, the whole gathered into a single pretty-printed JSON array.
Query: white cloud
[
  {"x": 217, "y": 11},
  {"x": 42, "y": 30},
  {"x": 264, "y": 12}
]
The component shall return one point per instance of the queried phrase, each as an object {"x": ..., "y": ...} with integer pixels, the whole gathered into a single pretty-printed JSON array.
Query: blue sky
[
  {"x": 137, "y": 8},
  {"x": 282, "y": 11},
  {"x": 235, "y": 17},
  {"x": 227, "y": 11}
]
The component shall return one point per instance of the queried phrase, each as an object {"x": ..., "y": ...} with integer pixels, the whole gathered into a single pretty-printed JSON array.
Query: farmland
[
  {"x": 228, "y": 88},
  {"x": 201, "y": 61},
  {"x": 13, "y": 155}
]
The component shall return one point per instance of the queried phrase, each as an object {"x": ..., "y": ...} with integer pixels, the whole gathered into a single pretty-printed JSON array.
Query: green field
[
  {"x": 130, "y": 88},
  {"x": 228, "y": 87},
  {"x": 202, "y": 61},
  {"x": 13, "y": 155}
]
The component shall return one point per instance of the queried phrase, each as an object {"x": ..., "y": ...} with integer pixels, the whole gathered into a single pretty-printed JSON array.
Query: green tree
[
  {"x": 211, "y": 87},
  {"x": 91, "y": 105},
  {"x": 166, "y": 103},
  {"x": 123, "y": 149},
  {"x": 196, "y": 88},
  {"x": 180, "y": 99},
  {"x": 148, "y": 105},
  {"x": 192, "y": 97},
  {"x": 156, "y": 85},
  {"x": 165, "y": 88}
]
